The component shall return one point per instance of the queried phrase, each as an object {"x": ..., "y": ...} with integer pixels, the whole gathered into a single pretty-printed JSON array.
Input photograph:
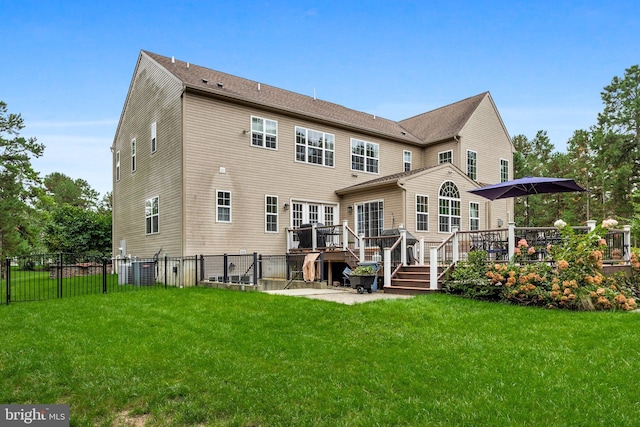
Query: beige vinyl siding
[
  {"x": 154, "y": 97},
  {"x": 214, "y": 139},
  {"x": 485, "y": 135},
  {"x": 431, "y": 153}
]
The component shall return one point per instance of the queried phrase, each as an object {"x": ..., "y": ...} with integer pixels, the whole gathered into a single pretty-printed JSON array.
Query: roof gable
[{"x": 444, "y": 122}]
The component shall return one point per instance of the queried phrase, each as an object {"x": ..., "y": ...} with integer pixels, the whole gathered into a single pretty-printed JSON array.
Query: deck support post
[
  {"x": 512, "y": 239},
  {"x": 433, "y": 267},
  {"x": 386, "y": 267}
]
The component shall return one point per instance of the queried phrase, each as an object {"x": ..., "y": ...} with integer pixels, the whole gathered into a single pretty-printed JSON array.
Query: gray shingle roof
[
  {"x": 422, "y": 129},
  {"x": 444, "y": 122}
]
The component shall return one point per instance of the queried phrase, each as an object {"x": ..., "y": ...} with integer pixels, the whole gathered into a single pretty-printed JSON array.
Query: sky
[{"x": 66, "y": 65}]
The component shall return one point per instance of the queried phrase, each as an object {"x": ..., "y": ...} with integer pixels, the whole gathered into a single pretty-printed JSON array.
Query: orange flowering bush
[{"x": 574, "y": 280}]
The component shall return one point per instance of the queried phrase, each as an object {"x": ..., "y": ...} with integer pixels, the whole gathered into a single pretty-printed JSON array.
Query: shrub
[{"x": 572, "y": 280}]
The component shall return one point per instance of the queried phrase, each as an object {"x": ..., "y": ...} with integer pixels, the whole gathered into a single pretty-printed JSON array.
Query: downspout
[{"x": 456, "y": 138}]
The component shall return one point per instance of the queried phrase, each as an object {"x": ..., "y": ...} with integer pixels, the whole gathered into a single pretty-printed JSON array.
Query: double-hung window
[
  {"x": 152, "y": 215},
  {"x": 314, "y": 147},
  {"x": 133, "y": 155},
  {"x": 472, "y": 164},
  {"x": 445, "y": 157},
  {"x": 474, "y": 216},
  {"x": 223, "y": 206},
  {"x": 406, "y": 160},
  {"x": 365, "y": 156},
  {"x": 504, "y": 170},
  {"x": 264, "y": 133},
  {"x": 154, "y": 142},
  {"x": 422, "y": 213},
  {"x": 271, "y": 214}
]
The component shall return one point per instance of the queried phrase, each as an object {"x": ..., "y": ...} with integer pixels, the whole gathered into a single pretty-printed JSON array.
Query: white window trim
[
  {"x": 367, "y": 202},
  {"x": 264, "y": 133},
  {"x": 154, "y": 139},
  {"x": 224, "y": 206},
  {"x": 472, "y": 218},
  {"x": 267, "y": 214},
  {"x": 508, "y": 166},
  {"x": 442, "y": 152},
  {"x": 476, "y": 165},
  {"x": 449, "y": 215},
  {"x": 323, "y": 149},
  {"x": 405, "y": 162},
  {"x": 422, "y": 213},
  {"x": 151, "y": 199},
  {"x": 354, "y": 140}
]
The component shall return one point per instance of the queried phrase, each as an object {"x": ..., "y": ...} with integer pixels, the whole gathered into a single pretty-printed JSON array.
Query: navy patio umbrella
[{"x": 527, "y": 186}]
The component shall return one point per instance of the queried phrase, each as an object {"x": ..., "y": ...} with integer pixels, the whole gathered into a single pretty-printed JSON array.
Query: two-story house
[{"x": 208, "y": 163}]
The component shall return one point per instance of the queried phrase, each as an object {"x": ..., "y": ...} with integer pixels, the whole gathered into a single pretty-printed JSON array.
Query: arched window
[{"x": 448, "y": 207}]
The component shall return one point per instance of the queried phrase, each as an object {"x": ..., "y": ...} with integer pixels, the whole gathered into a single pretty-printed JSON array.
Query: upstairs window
[
  {"x": 117, "y": 166},
  {"x": 264, "y": 133},
  {"x": 365, "y": 156},
  {"x": 133, "y": 155},
  {"x": 153, "y": 137},
  {"x": 472, "y": 164},
  {"x": 504, "y": 170},
  {"x": 271, "y": 214},
  {"x": 314, "y": 147},
  {"x": 422, "y": 213},
  {"x": 223, "y": 206},
  {"x": 406, "y": 160},
  {"x": 152, "y": 215},
  {"x": 445, "y": 157}
]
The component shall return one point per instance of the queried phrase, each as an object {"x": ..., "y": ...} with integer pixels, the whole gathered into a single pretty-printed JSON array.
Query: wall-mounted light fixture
[
  {"x": 500, "y": 222},
  {"x": 245, "y": 131},
  {"x": 350, "y": 209},
  {"x": 285, "y": 206}
]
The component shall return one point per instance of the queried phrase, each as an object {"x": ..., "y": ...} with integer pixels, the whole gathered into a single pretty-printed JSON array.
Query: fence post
[
  {"x": 225, "y": 272},
  {"x": 255, "y": 268},
  {"x": 345, "y": 235},
  {"x": 512, "y": 239},
  {"x": 591, "y": 223},
  {"x": 165, "y": 271},
  {"x": 8, "y": 277},
  {"x": 196, "y": 268},
  {"x": 403, "y": 245},
  {"x": 104, "y": 275},
  {"x": 59, "y": 275},
  {"x": 626, "y": 243},
  {"x": 455, "y": 243},
  {"x": 361, "y": 245}
]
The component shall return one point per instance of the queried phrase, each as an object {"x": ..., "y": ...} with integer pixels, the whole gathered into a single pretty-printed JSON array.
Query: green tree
[
  {"x": 73, "y": 229},
  {"x": 616, "y": 143},
  {"x": 66, "y": 190},
  {"x": 18, "y": 182}
]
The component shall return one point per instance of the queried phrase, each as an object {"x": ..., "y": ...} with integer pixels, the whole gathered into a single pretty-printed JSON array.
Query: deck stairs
[{"x": 411, "y": 280}]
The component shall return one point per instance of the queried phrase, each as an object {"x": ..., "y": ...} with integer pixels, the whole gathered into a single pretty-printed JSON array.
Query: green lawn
[{"x": 215, "y": 357}]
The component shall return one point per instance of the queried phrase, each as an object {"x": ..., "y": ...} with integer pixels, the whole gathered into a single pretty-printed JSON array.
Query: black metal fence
[{"x": 51, "y": 276}]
